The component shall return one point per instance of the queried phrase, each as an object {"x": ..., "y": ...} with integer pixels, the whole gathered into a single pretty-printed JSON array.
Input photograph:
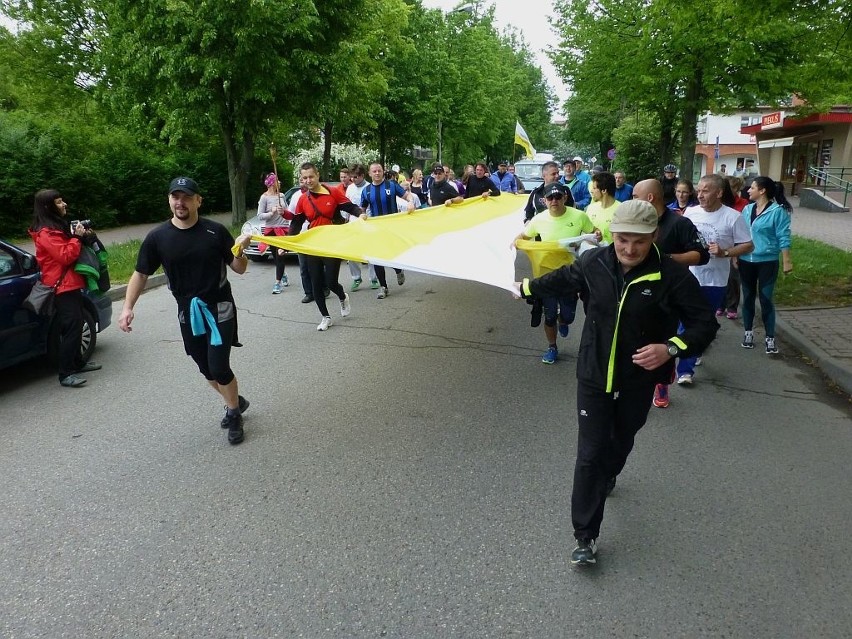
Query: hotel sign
[{"x": 772, "y": 121}]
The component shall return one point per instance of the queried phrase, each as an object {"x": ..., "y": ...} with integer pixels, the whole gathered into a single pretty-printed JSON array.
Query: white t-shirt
[{"x": 725, "y": 227}]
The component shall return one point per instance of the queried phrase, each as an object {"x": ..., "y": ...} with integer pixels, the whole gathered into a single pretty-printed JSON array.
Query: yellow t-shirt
[
  {"x": 571, "y": 223},
  {"x": 602, "y": 217}
]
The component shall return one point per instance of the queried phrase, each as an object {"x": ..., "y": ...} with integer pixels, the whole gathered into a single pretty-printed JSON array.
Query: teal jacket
[{"x": 770, "y": 232}]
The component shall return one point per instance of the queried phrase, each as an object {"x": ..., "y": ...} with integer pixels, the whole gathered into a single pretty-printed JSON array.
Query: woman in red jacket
[{"x": 57, "y": 247}]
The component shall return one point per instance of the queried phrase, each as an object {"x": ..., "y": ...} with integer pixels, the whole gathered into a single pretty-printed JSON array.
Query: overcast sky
[{"x": 530, "y": 18}]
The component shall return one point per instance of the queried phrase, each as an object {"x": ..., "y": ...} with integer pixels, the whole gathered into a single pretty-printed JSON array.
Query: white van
[{"x": 529, "y": 171}]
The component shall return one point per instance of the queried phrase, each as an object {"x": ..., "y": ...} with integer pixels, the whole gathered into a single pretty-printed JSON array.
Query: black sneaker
[
  {"x": 610, "y": 486},
  {"x": 234, "y": 424},
  {"x": 307, "y": 299},
  {"x": 535, "y": 313},
  {"x": 244, "y": 404},
  {"x": 584, "y": 553}
]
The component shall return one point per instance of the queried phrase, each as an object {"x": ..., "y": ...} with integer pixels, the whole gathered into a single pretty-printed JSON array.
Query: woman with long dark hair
[
  {"x": 57, "y": 247},
  {"x": 768, "y": 220}
]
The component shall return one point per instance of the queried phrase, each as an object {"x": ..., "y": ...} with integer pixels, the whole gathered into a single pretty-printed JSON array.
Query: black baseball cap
[
  {"x": 437, "y": 167},
  {"x": 185, "y": 185},
  {"x": 554, "y": 188}
]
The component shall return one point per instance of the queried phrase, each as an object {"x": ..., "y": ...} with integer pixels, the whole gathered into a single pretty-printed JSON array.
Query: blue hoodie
[{"x": 770, "y": 232}]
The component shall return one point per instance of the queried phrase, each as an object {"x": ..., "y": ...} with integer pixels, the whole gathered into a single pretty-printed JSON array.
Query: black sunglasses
[{"x": 554, "y": 196}]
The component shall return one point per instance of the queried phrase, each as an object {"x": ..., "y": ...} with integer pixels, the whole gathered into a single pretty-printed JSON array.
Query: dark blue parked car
[{"x": 24, "y": 335}]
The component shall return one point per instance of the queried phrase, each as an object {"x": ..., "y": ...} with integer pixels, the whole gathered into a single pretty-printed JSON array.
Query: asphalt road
[{"x": 408, "y": 474}]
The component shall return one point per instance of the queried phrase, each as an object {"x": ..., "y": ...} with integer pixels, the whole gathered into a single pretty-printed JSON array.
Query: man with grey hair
[
  {"x": 726, "y": 234},
  {"x": 623, "y": 190}
]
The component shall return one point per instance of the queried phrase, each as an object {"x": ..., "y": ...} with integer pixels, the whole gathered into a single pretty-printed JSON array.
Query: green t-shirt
[
  {"x": 571, "y": 223},
  {"x": 602, "y": 217}
]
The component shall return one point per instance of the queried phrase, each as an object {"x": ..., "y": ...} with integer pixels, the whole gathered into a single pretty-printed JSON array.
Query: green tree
[
  {"x": 678, "y": 60},
  {"x": 636, "y": 140}
]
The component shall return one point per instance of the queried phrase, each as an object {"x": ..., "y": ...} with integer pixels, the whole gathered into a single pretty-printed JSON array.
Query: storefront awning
[{"x": 771, "y": 144}]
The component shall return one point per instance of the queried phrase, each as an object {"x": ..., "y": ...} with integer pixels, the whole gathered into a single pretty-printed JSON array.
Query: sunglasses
[
  {"x": 437, "y": 171},
  {"x": 554, "y": 196}
]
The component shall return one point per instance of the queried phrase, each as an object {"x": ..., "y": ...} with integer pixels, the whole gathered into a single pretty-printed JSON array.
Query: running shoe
[
  {"x": 699, "y": 361},
  {"x": 383, "y": 293},
  {"x": 661, "y": 396},
  {"x": 324, "y": 324},
  {"x": 584, "y": 554},
  {"x": 731, "y": 315},
  {"x": 748, "y": 339},
  {"x": 563, "y": 329},
  {"x": 243, "y": 405},
  {"x": 355, "y": 284},
  {"x": 284, "y": 281},
  {"x": 276, "y": 288},
  {"x": 685, "y": 380},
  {"x": 719, "y": 312},
  {"x": 345, "y": 306},
  {"x": 307, "y": 299},
  {"x": 550, "y": 355},
  {"x": 234, "y": 424},
  {"x": 374, "y": 284},
  {"x": 771, "y": 348},
  {"x": 400, "y": 278}
]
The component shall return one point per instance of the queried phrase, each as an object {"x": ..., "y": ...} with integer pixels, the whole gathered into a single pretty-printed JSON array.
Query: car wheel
[
  {"x": 90, "y": 336},
  {"x": 87, "y": 343}
]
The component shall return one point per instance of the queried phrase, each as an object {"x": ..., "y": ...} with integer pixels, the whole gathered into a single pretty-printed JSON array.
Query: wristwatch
[
  {"x": 725, "y": 253},
  {"x": 672, "y": 348}
]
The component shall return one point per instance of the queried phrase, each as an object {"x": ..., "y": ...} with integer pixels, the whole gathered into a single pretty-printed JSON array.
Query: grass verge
[{"x": 822, "y": 276}]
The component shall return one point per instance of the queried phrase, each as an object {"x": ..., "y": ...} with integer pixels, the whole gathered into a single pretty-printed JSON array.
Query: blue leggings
[
  {"x": 715, "y": 295},
  {"x": 758, "y": 280}
]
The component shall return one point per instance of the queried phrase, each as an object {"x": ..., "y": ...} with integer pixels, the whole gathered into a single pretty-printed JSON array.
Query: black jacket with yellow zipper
[{"x": 626, "y": 311}]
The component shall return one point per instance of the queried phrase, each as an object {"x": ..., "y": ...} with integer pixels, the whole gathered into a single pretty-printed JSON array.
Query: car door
[{"x": 22, "y": 333}]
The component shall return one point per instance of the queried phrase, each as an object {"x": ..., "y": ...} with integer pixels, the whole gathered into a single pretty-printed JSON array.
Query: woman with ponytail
[{"x": 768, "y": 219}]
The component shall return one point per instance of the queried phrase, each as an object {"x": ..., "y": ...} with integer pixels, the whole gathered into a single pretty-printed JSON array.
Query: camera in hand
[{"x": 87, "y": 224}]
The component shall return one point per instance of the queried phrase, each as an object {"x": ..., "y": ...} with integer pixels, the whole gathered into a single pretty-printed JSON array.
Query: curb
[
  {"x": 839, "y": 373},
  {"x": 118, "y": 292}
]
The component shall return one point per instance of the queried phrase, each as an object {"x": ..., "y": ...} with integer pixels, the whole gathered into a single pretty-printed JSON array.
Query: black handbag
[{"x": 42, "y": 298}]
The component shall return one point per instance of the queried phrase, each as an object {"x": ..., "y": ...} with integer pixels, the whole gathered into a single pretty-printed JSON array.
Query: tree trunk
[
  {"x": 326, "y": 150},
  {"x": 383, "y": 144},
  {"x": 239, "y": 164},
  {"x": 689, "y": 120},
  {"x": 667, "y": 117}
]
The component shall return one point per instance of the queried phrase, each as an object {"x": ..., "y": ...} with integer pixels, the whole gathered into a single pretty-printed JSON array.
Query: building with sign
[{"x": 798, "y": 150}]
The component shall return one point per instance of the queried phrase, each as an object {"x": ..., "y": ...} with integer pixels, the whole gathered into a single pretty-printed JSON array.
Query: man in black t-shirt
[
  {"x": 480, "y": 184},
  {"x": 194, "y": 253},
  {"x": 440, "y": 191}
]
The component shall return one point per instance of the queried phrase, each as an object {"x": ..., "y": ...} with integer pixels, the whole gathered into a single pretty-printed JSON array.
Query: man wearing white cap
[{"x": 634, "y": 297}]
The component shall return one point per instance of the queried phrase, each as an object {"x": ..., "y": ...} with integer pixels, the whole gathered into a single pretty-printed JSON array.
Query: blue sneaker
[
  {"x": 550, "y": 355},
  {"x": 563, "y": 329}
]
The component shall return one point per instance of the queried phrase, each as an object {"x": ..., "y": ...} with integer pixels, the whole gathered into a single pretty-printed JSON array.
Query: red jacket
[{"x": 55, "y": 252}]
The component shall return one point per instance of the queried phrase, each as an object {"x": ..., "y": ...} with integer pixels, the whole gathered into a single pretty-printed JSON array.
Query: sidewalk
[{"x": 823, "y": 334}]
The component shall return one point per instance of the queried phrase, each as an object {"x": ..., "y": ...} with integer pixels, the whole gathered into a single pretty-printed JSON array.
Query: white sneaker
[
  {"x": 383, "y": 293},
  {"x": 699, "y": 361},
  {"x": 771, "y": 347},
  {"x": 324, "y": 324},
  {"x": 685, "y": 380},
  {"x": 345, "y": 306}
]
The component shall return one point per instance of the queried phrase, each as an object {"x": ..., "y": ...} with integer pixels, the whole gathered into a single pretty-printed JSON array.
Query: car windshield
[{"x": 528, "y": 171}]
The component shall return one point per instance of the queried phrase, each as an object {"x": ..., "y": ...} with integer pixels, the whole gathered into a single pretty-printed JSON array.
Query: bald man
[{"x": 676, "y": 237}]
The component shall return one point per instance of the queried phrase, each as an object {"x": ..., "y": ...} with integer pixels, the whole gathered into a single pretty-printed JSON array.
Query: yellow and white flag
[
  {"x": 470, "y": 241},
  {"x": 522, "y": 139}
]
